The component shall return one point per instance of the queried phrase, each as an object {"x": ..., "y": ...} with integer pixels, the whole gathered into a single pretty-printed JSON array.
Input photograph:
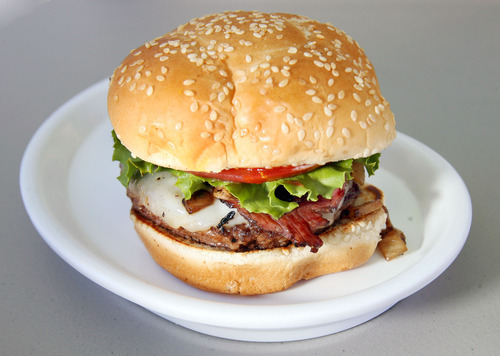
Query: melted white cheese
[{"x": 159, "y": 194}]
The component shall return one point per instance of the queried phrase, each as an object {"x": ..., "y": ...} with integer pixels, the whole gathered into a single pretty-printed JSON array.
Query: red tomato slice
[{"x": 257, "y": 175}]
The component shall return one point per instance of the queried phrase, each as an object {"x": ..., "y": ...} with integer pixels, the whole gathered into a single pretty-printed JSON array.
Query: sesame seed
[
  {"x": 205, "y": 135},
  {"x": 317, "y": 135},
  {"x": 298, "y": 121},
  {"x": 188, "y": 92},
  {"x": 160, "y": 78},
  {"x": 348, "y": 70},
  {"x": 188, "y": 82},
  {"x": 209, "y": 125},
  {"x": 328, "y": 111},
  {"x": 317, "y": 99},
  {"x": 285, "y": 72},
  {"x": 307, "y": 116},
  {"x": 248, "y": 58},
  {"x": 137, "y": 75},
  {"x": 354, "y": 115},
  {"x": 279, "y": 108},
  {"x": 292, "y": 62},
  {"x": 283, "y": 83},
  {"x": 363, "y": 125},
  {"x": 341, "y": 94},
  {"x": 284, "y": 128},
  {"x": 313, "y": 80},
  {"x": 163, "y": 58},
  {"x": 142, "y": 86},
  {"x": 330, "y": 82},
  {"x": 307, "y": 54},
  {"x": 213, "y": 115},
  {"x": 368, "y": 102},
  {"x": 292, "y": 50},
  {"x": 223, "y": 73},
  {"x": 356, "y": 97},
  {"x": 301, "y": 135},
  {"x": 310, "y": 92},
  {"x": 319, "y": 63},
  {"x": 149, "y": 91},
  {"x": 164, "y": 69},
  {"x": 178, "y": 126},
  {"x": 329, "y": 131},
  {"x": 194, "y": 106},
  {"x": 340, "y": 140},
  {"x": 241, "y": 79},
  {"x": 346, "y": 132},
  {"x": 221, "y": 97},
  {"x": 331, "y": 97}
]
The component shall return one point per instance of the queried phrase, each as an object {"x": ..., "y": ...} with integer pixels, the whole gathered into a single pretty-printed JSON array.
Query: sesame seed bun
[
  {"x": 249, "y": 89},
  {"x": 347, "y": 246}
]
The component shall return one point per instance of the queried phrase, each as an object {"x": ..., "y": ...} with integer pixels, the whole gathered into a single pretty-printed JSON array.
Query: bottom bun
[{"x": 263, "y": 271}]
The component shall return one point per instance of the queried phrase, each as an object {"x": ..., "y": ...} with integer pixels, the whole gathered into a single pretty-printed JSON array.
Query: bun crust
[
  {"x": 249, "y": 89},
  {"x": 264, "y": 271}
]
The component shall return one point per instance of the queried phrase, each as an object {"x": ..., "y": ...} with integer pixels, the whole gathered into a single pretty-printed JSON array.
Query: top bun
[{"x": 249, "y": 89}]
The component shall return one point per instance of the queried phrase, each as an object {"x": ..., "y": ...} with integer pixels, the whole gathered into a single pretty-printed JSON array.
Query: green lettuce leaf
[
  {"x": 257, "y": 198},
  {"x": 130, "y": 167}
]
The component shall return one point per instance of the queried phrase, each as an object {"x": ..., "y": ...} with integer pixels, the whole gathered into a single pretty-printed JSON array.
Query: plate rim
[{"x": 289, "y": 315}]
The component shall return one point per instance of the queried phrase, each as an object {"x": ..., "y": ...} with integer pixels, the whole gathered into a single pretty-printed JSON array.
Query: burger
[{"x": 243, "y": 140}]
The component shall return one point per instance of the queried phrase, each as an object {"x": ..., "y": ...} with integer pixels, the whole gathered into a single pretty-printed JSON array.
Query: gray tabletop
[{"x": 438, "y": 65}]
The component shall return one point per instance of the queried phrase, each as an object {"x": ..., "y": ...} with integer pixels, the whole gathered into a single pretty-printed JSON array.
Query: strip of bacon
[{"x": 299, "y": 225}]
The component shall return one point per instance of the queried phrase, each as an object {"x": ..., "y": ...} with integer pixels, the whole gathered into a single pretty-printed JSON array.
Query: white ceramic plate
[{"x": 70, "y": 192}]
